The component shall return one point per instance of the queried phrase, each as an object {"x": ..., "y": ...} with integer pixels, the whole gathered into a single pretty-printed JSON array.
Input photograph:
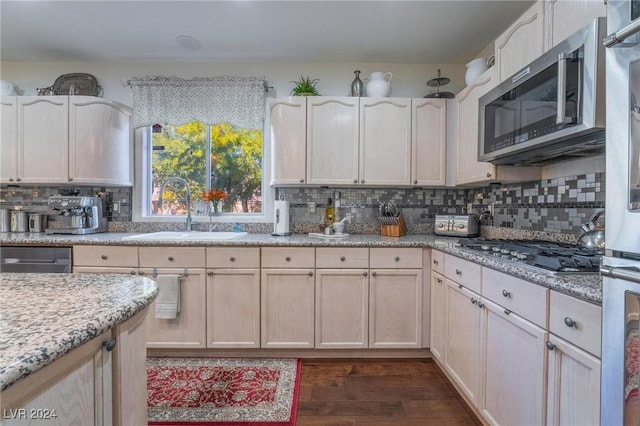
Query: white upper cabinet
[
  {"x": 521, "y": 43},
  {"x": 43, "y": 139},
  {"x": 332, "y": 140},
  {"x": 61, "y": 139},
  {"x": 100, "y": 149},
  {"x": 287, "y": 124},
  {"x": 564, "y": 17},
  {"x": 385, "y": 141},
  {"x": 9, "y": 135},
  {"x": 428, "y": 141}
]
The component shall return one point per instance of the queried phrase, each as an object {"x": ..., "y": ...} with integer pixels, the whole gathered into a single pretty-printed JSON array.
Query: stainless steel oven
[{"x": 620, "y": 384}]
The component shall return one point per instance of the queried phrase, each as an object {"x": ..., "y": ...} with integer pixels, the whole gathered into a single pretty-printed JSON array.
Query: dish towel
[{"x": 168, "y": 300}]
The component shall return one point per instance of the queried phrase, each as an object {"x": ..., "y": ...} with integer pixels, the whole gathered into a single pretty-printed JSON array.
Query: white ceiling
[{"x": 412, "y": 32}]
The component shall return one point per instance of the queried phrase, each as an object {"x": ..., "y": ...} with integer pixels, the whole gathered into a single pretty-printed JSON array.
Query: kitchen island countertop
[
  {"x": 45, "y": 316},
  {"x": 583, "y": 286}
]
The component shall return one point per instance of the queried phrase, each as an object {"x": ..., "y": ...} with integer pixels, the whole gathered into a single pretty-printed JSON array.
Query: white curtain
[{"x": 211, "y": 100}]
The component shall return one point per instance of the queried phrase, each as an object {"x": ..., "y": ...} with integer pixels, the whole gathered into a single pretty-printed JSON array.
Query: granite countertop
[
  {"x": 45, "y": 316},
  {"x": 584, "y": 286}
]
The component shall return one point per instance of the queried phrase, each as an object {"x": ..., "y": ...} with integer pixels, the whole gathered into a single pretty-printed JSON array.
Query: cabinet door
[
  {"x": 464, "y": 328},
  {"x": 130, "y": 372},
  {"x": 9, "y": 138},
  {"x": 428, "y": 141},
  {"x": 43, "y": 139},
  {"x": 573, "y": 385},
  {"x": 287, "y": 308},
  {"x": 385, "y": 141},
  {"x": 332, "y": 140},
  {"x": 514, "y": 369},
  {"x": 469, "y": 170},
  {"x": 439, "y": 336},
  {"x": 342, "y": 308},
  {"x": 287, "y": 122},
  {"x": 100, "y": 148},
  {"x": 233, "y": 308},
  {"x": 521, "y": 43},
  {"x": 564, "y": 17},
  {"x": 188, "y": 329},
  {"x": 395, "y": 308}
]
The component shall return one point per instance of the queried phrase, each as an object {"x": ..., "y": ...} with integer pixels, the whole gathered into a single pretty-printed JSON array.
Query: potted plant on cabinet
[{"x": 305, "y": 87}]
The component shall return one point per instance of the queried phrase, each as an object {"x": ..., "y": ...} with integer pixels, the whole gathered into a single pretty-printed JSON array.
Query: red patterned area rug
[{"x": 222, "y": 391}]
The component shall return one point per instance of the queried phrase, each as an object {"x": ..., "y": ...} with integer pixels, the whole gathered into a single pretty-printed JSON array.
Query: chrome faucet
[{"x": 186, "y": 184}]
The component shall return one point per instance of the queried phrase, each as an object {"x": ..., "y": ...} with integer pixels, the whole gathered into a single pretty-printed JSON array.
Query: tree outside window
[{"x": 220, "y": 157}]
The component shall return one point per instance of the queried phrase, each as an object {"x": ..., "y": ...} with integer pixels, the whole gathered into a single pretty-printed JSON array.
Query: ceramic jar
[
  {"x": 474, "y": 69},
  {"x": 378, "y": 85}
]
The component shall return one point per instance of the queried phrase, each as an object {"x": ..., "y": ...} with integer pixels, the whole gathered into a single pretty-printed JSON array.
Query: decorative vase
[
  {"x": 214, "y": 208},
  {"x": 474, "y": 69},
  {"x": 378, "y": 86},
  {"x": 357, "y": 86}
]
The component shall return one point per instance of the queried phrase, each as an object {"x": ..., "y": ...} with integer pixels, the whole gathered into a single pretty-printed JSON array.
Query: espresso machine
[{"x": 78, "y": 214}]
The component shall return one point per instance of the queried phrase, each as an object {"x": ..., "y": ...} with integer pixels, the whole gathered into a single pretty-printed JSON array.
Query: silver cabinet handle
[
  {"x": 435, "y": 262},
  {"x": 301, "y": 180},
  {"x": 364, "y": 274},
  {"x": 210, "y": 274},
  {"x": 288, "y": 258},
  {"x": 415, "y": 181},
  {"x": 569, "y": 322},
  {"x": 480, "y": 304},
  {"x": 622, "y": 34},
  {"x": 18, "y": 179},
  {"x": 507, "y": 312},
  {"x": 550, "y": 345},
  {"x": 103, "y": 257},
  {"x": 70, "y": 179},
  {"x": 505, "y": 293},
  {"x": 355, "y": 181},
  {"x": 342, "y": 258},
  {"x": 460, "y": 286},
  {"x": 361, "y": 180},
  {"x": 132, "y": 272},
  {"x": 310, "y": 273},
  {"x": 170, "y": 258},
  {"x": 10, "y": 179},
  {"x": 109, "y": 344},
  {"x": 232, "y": 259},
  {"x": 439, "y": 280},
  {"x": 474, "y": 301},
  {"x": 397, "y": 259},
  {"x": 488, "y": 174},
  {"x": 375, "y": 274},
  {"x": 458, "y": 272}
]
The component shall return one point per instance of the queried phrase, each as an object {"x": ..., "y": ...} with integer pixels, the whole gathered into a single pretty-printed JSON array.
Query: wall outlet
[{"x": 311, "y": 207}]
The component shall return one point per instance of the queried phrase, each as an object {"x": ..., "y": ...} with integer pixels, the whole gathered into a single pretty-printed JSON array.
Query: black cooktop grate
[{"x": 550, "y": 256}]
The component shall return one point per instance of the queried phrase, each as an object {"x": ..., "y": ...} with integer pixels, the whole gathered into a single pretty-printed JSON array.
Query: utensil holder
[{"x": 392, "y": 226}]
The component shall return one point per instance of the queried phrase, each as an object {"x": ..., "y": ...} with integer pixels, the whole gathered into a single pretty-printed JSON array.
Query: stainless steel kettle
[{"x": 593, "y": 235}]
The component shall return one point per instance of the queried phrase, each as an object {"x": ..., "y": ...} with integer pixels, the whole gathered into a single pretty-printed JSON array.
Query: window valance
[{"x": 211, "y": 100}]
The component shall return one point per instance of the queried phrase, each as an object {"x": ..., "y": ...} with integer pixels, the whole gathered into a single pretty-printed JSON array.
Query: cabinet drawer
[
  {"x": 463, "y": 272},
  {"x": 342, "y": 257},
  {"x": 527, "y": 299},
  {"x": 105, "y": 256},
  {"x": 288, "y": 257},
  {"x": 437, "y": 261},
  {"x": 576, "y": 321},
  {"x": 172, "y": 257},
  {"x": 405, "y": 258},
  {"x": 233, "y": 257}
]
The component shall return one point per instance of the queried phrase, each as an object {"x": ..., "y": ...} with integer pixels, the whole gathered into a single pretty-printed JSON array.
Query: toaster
[{"x": 463, "y": 225}]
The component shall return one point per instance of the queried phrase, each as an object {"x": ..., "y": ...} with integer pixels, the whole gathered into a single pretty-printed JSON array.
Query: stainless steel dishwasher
[{"x": 35, "y": 259}]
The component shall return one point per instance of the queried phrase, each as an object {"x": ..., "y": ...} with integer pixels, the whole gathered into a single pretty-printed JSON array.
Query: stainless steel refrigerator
[{"x": 620, "y": 383}]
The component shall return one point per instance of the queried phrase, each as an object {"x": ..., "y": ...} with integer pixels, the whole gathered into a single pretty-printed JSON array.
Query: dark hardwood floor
[{"x": 379, "y": 393}]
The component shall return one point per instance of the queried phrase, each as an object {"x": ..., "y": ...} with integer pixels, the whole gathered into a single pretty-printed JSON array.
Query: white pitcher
[
  {"x": 474, "y": 69},
  {"x": 377, "y": 85}
]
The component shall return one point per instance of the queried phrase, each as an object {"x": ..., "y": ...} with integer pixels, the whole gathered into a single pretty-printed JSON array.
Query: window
[
  {"x": 229, "y": 159},
  {"x": 222, "y": 158}
]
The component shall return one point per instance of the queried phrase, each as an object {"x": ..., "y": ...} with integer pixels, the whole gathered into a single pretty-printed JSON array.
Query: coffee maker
[{"x": 79, "y": 214}]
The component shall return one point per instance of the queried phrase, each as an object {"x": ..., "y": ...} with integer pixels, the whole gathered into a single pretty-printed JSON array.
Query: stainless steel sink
[{"x": 187, "y": 236}]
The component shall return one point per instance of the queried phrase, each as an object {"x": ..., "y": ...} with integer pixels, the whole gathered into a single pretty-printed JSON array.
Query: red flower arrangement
[{"x": 214, "y": 195}]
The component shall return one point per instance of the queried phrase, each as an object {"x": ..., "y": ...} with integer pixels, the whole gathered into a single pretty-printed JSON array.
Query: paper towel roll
[{"x": 281, "y": 218}]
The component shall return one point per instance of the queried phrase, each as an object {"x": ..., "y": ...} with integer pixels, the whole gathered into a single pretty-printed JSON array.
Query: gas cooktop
[{"x": 552, "y": 257}]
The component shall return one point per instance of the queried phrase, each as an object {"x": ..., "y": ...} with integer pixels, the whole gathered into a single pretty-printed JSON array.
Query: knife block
[{"x": 397, "y": 230}]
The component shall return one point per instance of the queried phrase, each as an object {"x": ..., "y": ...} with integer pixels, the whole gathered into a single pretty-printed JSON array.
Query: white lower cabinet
[
  {"x": 342, "y": 308},
  {"x": 75, "y": 389},
  {"x": 513, "y": 368},
  {"x": 464, "y": 339},
  {"x": 438, "y": 334}
]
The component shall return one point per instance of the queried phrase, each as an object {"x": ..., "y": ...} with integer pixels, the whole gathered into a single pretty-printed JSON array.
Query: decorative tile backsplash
[{"x": 558, "y": 205}]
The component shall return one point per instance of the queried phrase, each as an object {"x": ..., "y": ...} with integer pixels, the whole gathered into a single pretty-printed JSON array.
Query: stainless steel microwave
[{"x": 551, "y": 110}]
